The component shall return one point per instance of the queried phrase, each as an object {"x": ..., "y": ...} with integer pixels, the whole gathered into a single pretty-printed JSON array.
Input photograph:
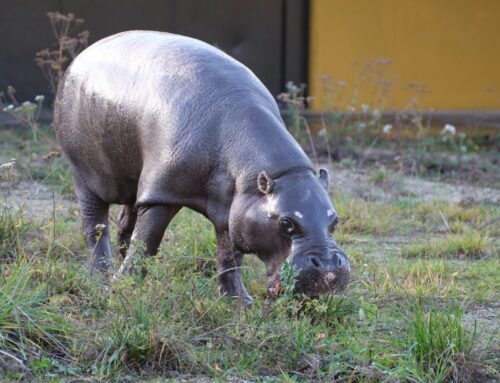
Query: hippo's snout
[
  {"x": 335, "y": 260},
  {"x": 326, "y": 273}
]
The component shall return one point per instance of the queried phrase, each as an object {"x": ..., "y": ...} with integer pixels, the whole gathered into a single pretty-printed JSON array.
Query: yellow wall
[{"x": 452, "y": 47}]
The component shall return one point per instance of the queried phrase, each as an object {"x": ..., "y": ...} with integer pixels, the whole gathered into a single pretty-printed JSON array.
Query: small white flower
[
  {"x": 449, "y": 129},
  {"x": 387, "y": 128},
  {"x": 27, "y": 103},
  {"x": 39, "y": 98},
  {"x": 365, "y": 108},
  {"x": 461, "y": 135},
  {"x": 9, "y": 164},
  {"x": 322, "y": 132},
  {"x": 9, "y": 107},
  {"x": 376, "y": 113}
]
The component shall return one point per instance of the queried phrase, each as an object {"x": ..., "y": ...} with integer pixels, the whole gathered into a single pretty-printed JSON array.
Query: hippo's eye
[
  {"x": 286, "y": 226},
  {"x": 333, "y": 225}
]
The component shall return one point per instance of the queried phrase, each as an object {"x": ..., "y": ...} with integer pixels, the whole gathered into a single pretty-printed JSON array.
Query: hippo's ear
[
  {"x": 323, "y": 176},
  {"x": 265, "y": 183}
]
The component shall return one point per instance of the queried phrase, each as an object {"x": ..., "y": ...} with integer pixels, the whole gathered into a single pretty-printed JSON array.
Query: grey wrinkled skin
[{"x": 155, "y": 122}]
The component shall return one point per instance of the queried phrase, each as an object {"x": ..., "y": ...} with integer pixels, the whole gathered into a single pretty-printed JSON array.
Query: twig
[{"x": 14, "y": 358}]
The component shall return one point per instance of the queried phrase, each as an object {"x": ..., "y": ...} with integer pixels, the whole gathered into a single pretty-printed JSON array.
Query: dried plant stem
[{"x": 311, "y": 140}]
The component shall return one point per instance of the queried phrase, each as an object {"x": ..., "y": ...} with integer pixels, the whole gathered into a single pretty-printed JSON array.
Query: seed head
[
  {"x": 9, "y": 164},
  {"x": 100, "y": 227},
  {"x": 51, "y": 155}
]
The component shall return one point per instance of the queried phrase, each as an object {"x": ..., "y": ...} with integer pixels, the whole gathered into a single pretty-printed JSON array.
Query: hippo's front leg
[
  {"x": 229, "y": 263},
  {"x": 152, "y": 220}
]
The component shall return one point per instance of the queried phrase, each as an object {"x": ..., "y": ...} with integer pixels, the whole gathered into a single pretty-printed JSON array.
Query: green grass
[
  {"x": 401, "y": 319},
  {"x": 439, "y": 343},
  {"x": 470, "y": 244},
  {"x": 28, "y": 325},
  {"x": 363, "y": 217},
  {"x": 172, "y": 321}
]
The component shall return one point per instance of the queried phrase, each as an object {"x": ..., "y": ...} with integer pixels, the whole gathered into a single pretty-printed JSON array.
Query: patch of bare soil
[
  {"x": 485, "y": 321},
  {"x": 35, "y": 199}
]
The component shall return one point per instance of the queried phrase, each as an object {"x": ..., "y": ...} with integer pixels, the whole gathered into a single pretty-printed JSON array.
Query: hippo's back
[{"x": 141, "y": 101}]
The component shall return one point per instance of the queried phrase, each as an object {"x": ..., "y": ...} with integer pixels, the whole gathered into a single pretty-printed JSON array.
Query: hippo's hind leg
[
  {"x": 126, "y": 225},
  {"x": 94, "y": 214},
  {"x": 149, "y": 229},
  {"x": 229, "y": 263}
]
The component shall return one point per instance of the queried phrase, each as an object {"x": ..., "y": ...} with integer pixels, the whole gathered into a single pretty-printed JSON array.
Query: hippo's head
[{"x": 293, "y": 219}]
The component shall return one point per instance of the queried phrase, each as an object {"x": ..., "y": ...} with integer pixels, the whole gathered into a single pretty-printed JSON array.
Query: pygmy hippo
[{"x": 155, "y": 122}]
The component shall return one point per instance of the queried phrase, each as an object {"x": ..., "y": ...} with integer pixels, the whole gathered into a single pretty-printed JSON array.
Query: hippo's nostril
[{"x": 315, "y": 262}]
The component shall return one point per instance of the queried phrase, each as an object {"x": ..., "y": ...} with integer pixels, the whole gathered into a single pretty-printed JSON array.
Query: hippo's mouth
[{"x": 314, "y": 282}]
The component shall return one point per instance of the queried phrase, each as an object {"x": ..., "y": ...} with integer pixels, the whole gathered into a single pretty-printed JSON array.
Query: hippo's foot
[
  {"x": 235, "y": 289},
  {"x": 229, "y": 264}
]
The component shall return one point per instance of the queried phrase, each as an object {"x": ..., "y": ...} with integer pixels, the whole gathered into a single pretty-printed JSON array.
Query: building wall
[
  {"x": 443, "y": 53},
  {"x": 270, "y": 37}
]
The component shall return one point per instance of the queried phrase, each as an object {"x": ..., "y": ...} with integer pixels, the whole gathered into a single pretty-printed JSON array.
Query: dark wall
[{"x": 269, "y": 36}]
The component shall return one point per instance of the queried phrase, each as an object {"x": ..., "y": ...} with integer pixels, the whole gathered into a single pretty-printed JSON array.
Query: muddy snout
[{"x": 326, "y": 273}]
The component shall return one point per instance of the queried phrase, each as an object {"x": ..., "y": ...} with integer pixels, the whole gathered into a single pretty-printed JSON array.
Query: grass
[
  {"x": 363, "y": 217},
  {"x": 439, "y": 343},
  {"x": 470, "y": 244},
  {"x": 12, "y": 226},
  {"x": 28, "y": 326},
  {"x": 30, "y": 160},
  {"x": 402, "y": 318}
]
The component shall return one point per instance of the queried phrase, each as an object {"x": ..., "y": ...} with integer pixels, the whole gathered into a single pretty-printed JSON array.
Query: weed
[
  {"x": 27, "y": 115},
  {"x": 295, "y": 102},
  {"x": 69, "y": 42},
  {"x": 439, "y": 344},
  {"x": 345, "y": 128},
  {"x": 288, "y": 276},
  {"x": 12, "y": 222},
  {"x": 335, "y": 310}
]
